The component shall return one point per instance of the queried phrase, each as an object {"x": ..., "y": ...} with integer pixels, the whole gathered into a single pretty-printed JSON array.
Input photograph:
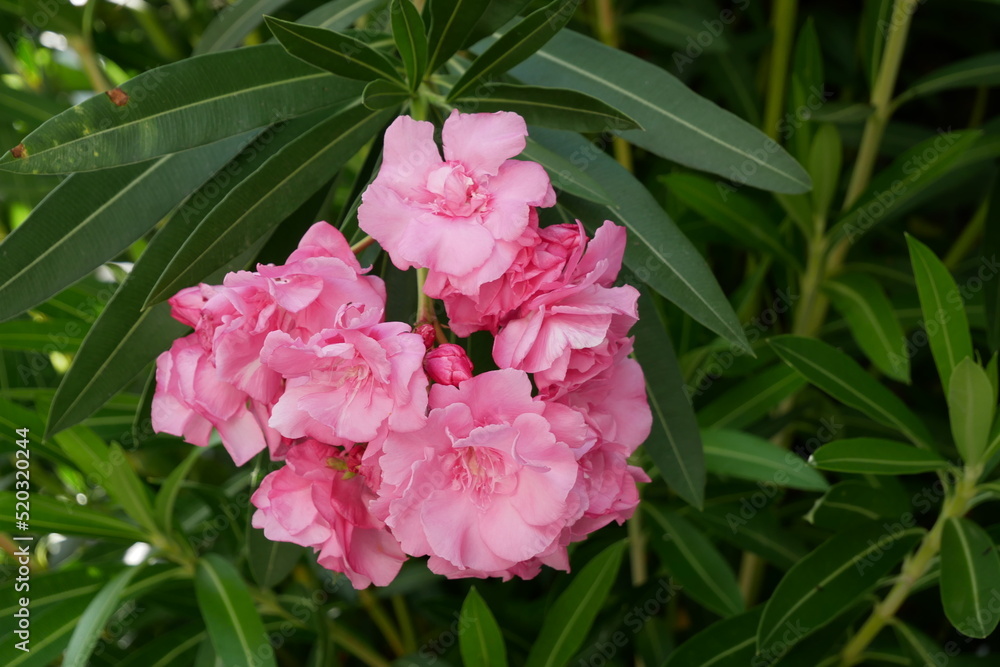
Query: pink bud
[
  {"x": 426, "y": 331},
  {"x": 448, "y": 364}
]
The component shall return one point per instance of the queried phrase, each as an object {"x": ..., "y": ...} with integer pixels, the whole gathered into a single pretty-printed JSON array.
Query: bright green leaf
[
  {"x": 875, "y": 456},
  {"x": 481, "y": 641},
  {"x": 970, "y": 408},
  {"x": 746, "y": 456},
  {"x": 233, "y": 623}
]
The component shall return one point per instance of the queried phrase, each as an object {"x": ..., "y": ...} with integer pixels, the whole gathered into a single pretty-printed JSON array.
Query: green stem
[
  {"x": 783, "y": 22},
  {"x": 637, "y": 550},
  {"x": 913, "y": 569},
  {"x": 969, "y": 236},
  {"x": 382, "y": 620},
  {"x": 405, "y": 623},
  {"x": 607, "y": 29},
  {"x": 363, "y": 652}
]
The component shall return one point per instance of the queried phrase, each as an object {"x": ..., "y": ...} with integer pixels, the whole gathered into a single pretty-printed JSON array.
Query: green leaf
[
  {"x": 339, "y": 14},
  {"x": 496, "y": 15},
  {"x": 900, "y": 183},
  {"x": 825, "y": 156},
  {"x": 656, "y": 252},
  {"x": 166, "y": 497},
  {"x": 107, "y": 466},
  {"x": 185, "y": 104},
  {"x": 518, "y": 43},
  {"x": 805, "y": 89},
  {"x": 730, "y": 642},
  {"x": 169, "y": 649},
  {"x": 970, "y": 407},
  {"x": 55, "y": 586},
  {"x": 234, "y": 23},
  {"x": 674, "y": 443},
  {"x": 335, "y": 52},
  {"x": 411, "y": 41},
  {"x": 942, "y": 305},
  {"x": 568, "y": 621},
  {"x": 382, "y": 94},
  {"x": 49, "y": 515},
  {"x": 696, "y": 564},
  {"x": 920, "y": 647},
  {"x": 876, "y": 16},
  {"x": 982, "y": 70},
  {"x": 565, "y": 175},
  {"x": 854, "y": 502},
  {"x": 49, "y": 336},
  {"x": 751, "y": 399},
  {"x": 557, "y": 108},
  {"x": 991, "y": 288},
  {"x": 679, "y": 27},
  {"x": 753, "y": 529},
  {"x": 875, "y": 456},
  {"x": 746, "y": 456},
  {"x": 451, "y": 22},
  {"x": 680, "y": 125},
  {"x": 831, "y": 579},
  {"x": 258, "y": 203},
  {"x": 233, "y": 623},
  {"x": 270, "y": 562},
  {"x": 50, "y": 633},
  {"x": 481, "y": 643},
  {"x": 90, "y": 218},
  {"x": 734, "y": 213},
  {"x": 872, "y": 322},
  {"x": 91, "y": 624},
  {"x": 840, "y": 376},
  {"x": 970, "y": 577}
]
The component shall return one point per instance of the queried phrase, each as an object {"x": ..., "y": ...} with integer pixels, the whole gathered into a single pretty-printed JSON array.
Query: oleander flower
[
  {"x": 462, "y": 216},
  {"x": 448, "y": 364},
  {"x": 485, "y": 485},
  {"x": 348, "y": 380},
  {"x": 319, "y": 499}
]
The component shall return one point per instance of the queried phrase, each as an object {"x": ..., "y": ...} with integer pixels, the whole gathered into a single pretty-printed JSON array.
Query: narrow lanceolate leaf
[
  {"x": 383, "y": 94},
  {"x": 270, "y": 193},
  {"x": 970, "y": 408},
  {"x": 658, "y": 253},
  {"x": 481, "y": 641},
  {"x": 731, "y": 642},
  {"x": 854, "y": 502},
  {"x": 106, "y": 465},
  {"x": 872, "y": 322},
  {"x": 970, "y": 577},
  {"x": 746, "y": 456},
  {"x": 338, "y": 14},
  {"x": 840, "y": 376},
  {"x": 91, "y": 624},
  {"x": 674, "y": 443},
  {"x": 176, "y": 647},
  {"x": 89, "y": 218},
  {"x": 233, "y": 623},
  {"x": 517, "y": 44},
  {"x": 565, "y": 175},
  {"x": 895, "y": 187},
  {"x": 49, "y": 515},
  {"x": 185, "y": 104},
  {"x": 946, "y": 324},
  {"x": 750, "y": 529},
  {"x": 45, "y": 337},
  {"x": 694, "y": 562},
  {"x": 737, "y": 215},
  {"x": 50, "y": 633},
  {"x": 831, "y": 579},
  {"x": 921, "y": 648},
  {"x": 166, "y": 497},
  {"x": 451, "y": 21},
  {"x": 569, "y": 620},
  {"x": 270, "y": 561},
  {"x": 335, "y": 52},
  {"x": 874, "y": 456},
  {"x": 824, "y": 167},
  {"x": 680, "y": 125},
  {"x": 981, "y": 70},
  {"x": 548, "y": 107},
  {"x": 751, "y": 399},
  {"x": 234, "y": 23},
  {"x": 411, "y": 41}
]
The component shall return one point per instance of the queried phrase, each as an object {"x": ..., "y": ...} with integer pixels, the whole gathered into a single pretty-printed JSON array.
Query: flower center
[
  {"x": 485, "y": 472},
  {"x": 456, "y": 193}
]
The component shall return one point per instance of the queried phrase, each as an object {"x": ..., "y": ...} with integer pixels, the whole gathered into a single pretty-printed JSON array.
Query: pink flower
[
  {"x": 348, "y": 380},
  {"x": 461, "y": 216},
  {"x": 190, "y": 401},
  {"x": 539, "y": 264},
  {"x": 573, "y": 330},
  {"x": 448, "y": 364},
  {"x": 485, "y": 485},
  {"x": 318, "y": 499}
]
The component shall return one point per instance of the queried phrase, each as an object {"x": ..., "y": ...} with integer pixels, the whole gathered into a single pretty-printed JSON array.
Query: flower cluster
[{"x": 391, "y": 446}]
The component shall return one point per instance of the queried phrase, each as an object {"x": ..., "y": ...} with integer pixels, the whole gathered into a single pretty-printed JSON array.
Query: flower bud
[
  {"x": 448, "y": 364},
  {"x": 426, "y": 331}
]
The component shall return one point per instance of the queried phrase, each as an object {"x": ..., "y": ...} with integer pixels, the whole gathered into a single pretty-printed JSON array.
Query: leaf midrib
[{"x": 230, "y": 610}]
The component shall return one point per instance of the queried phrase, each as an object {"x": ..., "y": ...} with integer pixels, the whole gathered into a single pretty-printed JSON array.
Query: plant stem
[
  {"x": 382, "y": 620},
  {"x": 637, "y": 550},
  {"x": 881, "y": 99},
  {"x": 783, "y": 22},
  {"x": 969, "y": 236},
  {"x": 913, "y": 569},
  {"x": 405, "y": 623},
  {"x": 362, "y": 244},
  {"x": 356, "y": 647},
  {"x": 606, "y": 27}
]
